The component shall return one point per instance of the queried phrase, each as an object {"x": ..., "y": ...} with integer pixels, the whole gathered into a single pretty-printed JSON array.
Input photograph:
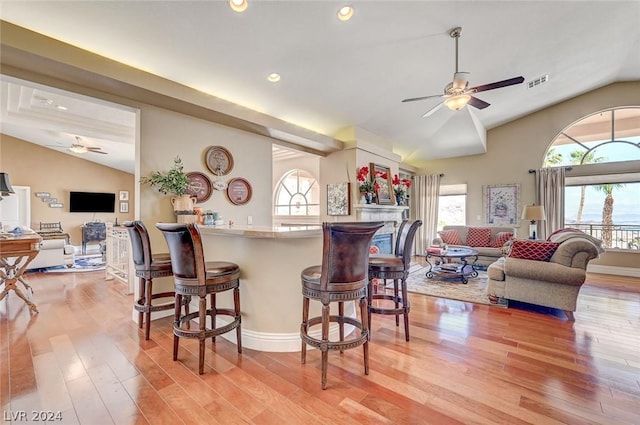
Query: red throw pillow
[
  {"x": 450, "y": 237},
  {"x": 478, "y": 236},
  {"x": 533, "y": 250},
  {"x": 500, "y": 239}
]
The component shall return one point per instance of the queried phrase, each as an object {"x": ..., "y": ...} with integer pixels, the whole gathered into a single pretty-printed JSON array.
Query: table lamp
[
  {"x": 5, "y": 185},
  {"x": 533, "y": 213}
]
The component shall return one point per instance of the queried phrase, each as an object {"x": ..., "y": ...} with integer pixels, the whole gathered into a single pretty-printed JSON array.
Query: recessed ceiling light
[
  {"x": 274, "y": 77},
  {"x": 61, "y": 108},
  {"x": 238, "y": 5},
  {"x": 345, "y": 13}
]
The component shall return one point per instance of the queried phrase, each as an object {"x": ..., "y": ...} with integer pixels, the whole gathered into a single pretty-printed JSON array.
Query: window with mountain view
[{"x": 602, "y": 193}]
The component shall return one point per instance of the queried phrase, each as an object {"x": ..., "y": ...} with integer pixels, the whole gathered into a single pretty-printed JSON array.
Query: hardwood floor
[{"x": 84, "y": 357}]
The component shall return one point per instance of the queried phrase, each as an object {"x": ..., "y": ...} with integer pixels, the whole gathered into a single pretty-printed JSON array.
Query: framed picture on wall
[
  {"x": 124, "y": 207},
  {"x": 501, "y": 204},
  {"x": 124, "y": 195},
  {"x": 382, "y": 176},
  {"x": 339, "y": 198}
]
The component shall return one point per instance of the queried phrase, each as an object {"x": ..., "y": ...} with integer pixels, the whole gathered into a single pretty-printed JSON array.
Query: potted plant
[{"x": 173, "y": 182}]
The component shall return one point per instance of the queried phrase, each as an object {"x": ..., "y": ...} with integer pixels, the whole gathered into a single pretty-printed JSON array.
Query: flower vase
[{"x": 367, "y": 197}]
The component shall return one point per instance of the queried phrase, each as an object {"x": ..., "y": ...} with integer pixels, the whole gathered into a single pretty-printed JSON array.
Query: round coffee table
[{"x": 448, "y": 270}]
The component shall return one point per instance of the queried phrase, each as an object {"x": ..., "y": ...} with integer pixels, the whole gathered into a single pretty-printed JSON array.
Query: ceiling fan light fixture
[
  {"x": 455, "y": 103},
  {"x": 238, "y": 5},
  {"x": 78, "y": 149}
]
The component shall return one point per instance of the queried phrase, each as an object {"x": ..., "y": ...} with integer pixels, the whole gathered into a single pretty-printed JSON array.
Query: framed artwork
[
  {"x": 339, "y": 198},
  {"x": 124, "y": 207},
  {"x": 382, "y": 175},
  {"x": 239, "y": 191},
  {"x": 124, "y": 195},
  {"x": 501, "y": 204}
]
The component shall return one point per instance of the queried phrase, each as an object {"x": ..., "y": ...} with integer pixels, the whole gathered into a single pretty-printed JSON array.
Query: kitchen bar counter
[
  {"x": 271, "y": 260},
  {"x": 274, "y": 232}
]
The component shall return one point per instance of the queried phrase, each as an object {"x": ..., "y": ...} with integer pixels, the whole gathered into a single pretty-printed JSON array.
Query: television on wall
[{"x": 92, "y": 202}]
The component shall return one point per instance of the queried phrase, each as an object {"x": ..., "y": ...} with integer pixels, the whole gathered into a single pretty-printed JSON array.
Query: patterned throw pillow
[
  {"x": 450, "y": 237},
  {"x": 563, "y": 230},
  {"x": 478, "y": 236},
  {"x": 500, "y": 239},
  {"x": 533, "y": 250}
]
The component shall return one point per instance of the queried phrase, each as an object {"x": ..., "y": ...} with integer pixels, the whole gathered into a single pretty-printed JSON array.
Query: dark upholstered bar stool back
[
  {"x": 195, "y": 276},
  {"x": 394, "y": 266},
  {"x": 341, "y": 277},
  {"x": 148, "y": 266}
]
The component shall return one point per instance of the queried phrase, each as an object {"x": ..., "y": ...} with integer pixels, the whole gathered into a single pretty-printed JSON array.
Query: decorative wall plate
[
  {"x": 200, "y": 186},
  {"x": 239, "y": 191},
  {"x": 219, "y": 160}
]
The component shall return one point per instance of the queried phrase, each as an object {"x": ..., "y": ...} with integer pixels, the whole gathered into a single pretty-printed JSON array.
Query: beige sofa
[
  {"x": 53, "y": 252},
  {"x": 486, "y": 254},
  {"x": 554, "y": 283}
]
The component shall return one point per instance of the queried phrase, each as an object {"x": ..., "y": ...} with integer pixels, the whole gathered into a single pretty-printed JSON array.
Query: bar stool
[
  {"x": 195, "y": 276},
  {"x": 341, "y": 277},
  {"x": 394, "y": 266},
  {"x": 148, "y": 266}
]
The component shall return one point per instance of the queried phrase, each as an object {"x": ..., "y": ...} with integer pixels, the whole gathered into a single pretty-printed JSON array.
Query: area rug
[
  {"x": 473, "y": 291},
  {"x": 81, "y": 264}
]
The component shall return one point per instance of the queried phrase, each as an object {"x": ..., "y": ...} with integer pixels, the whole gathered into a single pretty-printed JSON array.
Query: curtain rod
[{"x": 567, "y": 168}]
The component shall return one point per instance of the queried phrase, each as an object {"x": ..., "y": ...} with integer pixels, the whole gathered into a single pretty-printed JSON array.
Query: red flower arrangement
[
  {"x": 364, "y": 179},
  {"x": 400, "y": 188}
]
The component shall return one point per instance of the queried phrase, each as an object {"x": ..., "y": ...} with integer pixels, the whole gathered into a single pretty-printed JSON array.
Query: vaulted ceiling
[{"x": 335, "y": 74}]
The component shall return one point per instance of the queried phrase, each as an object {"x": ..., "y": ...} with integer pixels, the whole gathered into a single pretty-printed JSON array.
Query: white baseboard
[{"x": 618, "y": 271}]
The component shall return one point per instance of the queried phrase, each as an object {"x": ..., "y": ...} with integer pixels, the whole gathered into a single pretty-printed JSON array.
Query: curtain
[
  {"x": 425, "y": 208},
  {"x": 550, "y": 194}
]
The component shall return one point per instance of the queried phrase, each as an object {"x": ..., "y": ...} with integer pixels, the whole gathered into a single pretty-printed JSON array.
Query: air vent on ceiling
[{"x": 540, "y": 80}]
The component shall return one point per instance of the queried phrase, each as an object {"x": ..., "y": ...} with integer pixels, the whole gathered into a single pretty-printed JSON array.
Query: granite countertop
[{"x": 265, "y": 232}]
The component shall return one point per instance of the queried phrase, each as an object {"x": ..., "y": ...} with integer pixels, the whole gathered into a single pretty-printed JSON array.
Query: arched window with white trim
[
  {"x": 602, "y": 190},
  {"x": 297, "y": 194}
]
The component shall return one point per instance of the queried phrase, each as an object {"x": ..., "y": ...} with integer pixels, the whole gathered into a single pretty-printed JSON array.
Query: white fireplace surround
[{"x": 391, "y": 215}]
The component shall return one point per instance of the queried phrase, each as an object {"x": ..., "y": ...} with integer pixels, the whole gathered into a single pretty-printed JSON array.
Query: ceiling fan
[
  {"x": 80, "y": 147},
  {"x": 457, "y": 93}
]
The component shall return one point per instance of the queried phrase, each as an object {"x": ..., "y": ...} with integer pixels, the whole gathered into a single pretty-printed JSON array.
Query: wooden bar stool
[
  {"x": 195, "y": 276},
  {"x": 341, "y": 277},
  {"x": 148, "y": 266},
  {"x": 394, "y": 266}
]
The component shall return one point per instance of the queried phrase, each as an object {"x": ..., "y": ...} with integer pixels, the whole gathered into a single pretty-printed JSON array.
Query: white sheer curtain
[
  {"x": 424, "y": 207},
  {"x": 550, "y": 194}
]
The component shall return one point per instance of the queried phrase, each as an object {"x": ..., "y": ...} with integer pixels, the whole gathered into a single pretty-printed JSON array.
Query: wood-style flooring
[{"x": 84, "y": 357}]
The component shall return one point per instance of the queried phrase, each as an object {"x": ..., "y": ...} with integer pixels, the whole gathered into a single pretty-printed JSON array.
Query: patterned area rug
[
  {"x": 473, "y": 291},
  {"x": 89, "y": 263}
]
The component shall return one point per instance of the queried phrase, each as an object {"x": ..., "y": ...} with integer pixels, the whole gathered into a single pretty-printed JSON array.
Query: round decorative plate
[
  {"x": 239, "y": 191},
  {"x": 219, "y": 160},
  {"x": 199, "y": 186}
]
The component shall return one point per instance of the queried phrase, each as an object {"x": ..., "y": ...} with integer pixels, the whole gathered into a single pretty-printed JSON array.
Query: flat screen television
[{"x": 92, "y": 202}]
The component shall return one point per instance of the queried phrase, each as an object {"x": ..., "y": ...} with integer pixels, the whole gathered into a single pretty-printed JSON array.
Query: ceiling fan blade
[
  {"x": 100, "y": 152},
  {"x": 413, "y": 99},
  {"x": 497, "y": 85},
  {"x": 478, "y": 103},
  {"x": 433, "y": 110}
]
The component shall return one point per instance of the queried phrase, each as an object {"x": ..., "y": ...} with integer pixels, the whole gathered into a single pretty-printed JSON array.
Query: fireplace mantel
[{"x": 375, "y": 212}]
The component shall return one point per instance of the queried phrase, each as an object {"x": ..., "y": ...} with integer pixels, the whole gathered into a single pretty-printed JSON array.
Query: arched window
[
  {"x": 602, "y": 193},
  {"x": 297, "y": 194}
]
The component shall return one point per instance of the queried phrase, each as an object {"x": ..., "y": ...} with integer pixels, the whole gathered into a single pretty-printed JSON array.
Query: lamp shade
[
  {"x": 5, "y": 184},
  {"x": 533, "y": 213}
]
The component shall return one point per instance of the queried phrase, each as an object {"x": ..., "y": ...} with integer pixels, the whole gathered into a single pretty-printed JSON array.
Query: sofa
[
  {"x": 490, "y": 241},
  {"x": 53, "y": 252},
  {"x": 546, "y": 273}
]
